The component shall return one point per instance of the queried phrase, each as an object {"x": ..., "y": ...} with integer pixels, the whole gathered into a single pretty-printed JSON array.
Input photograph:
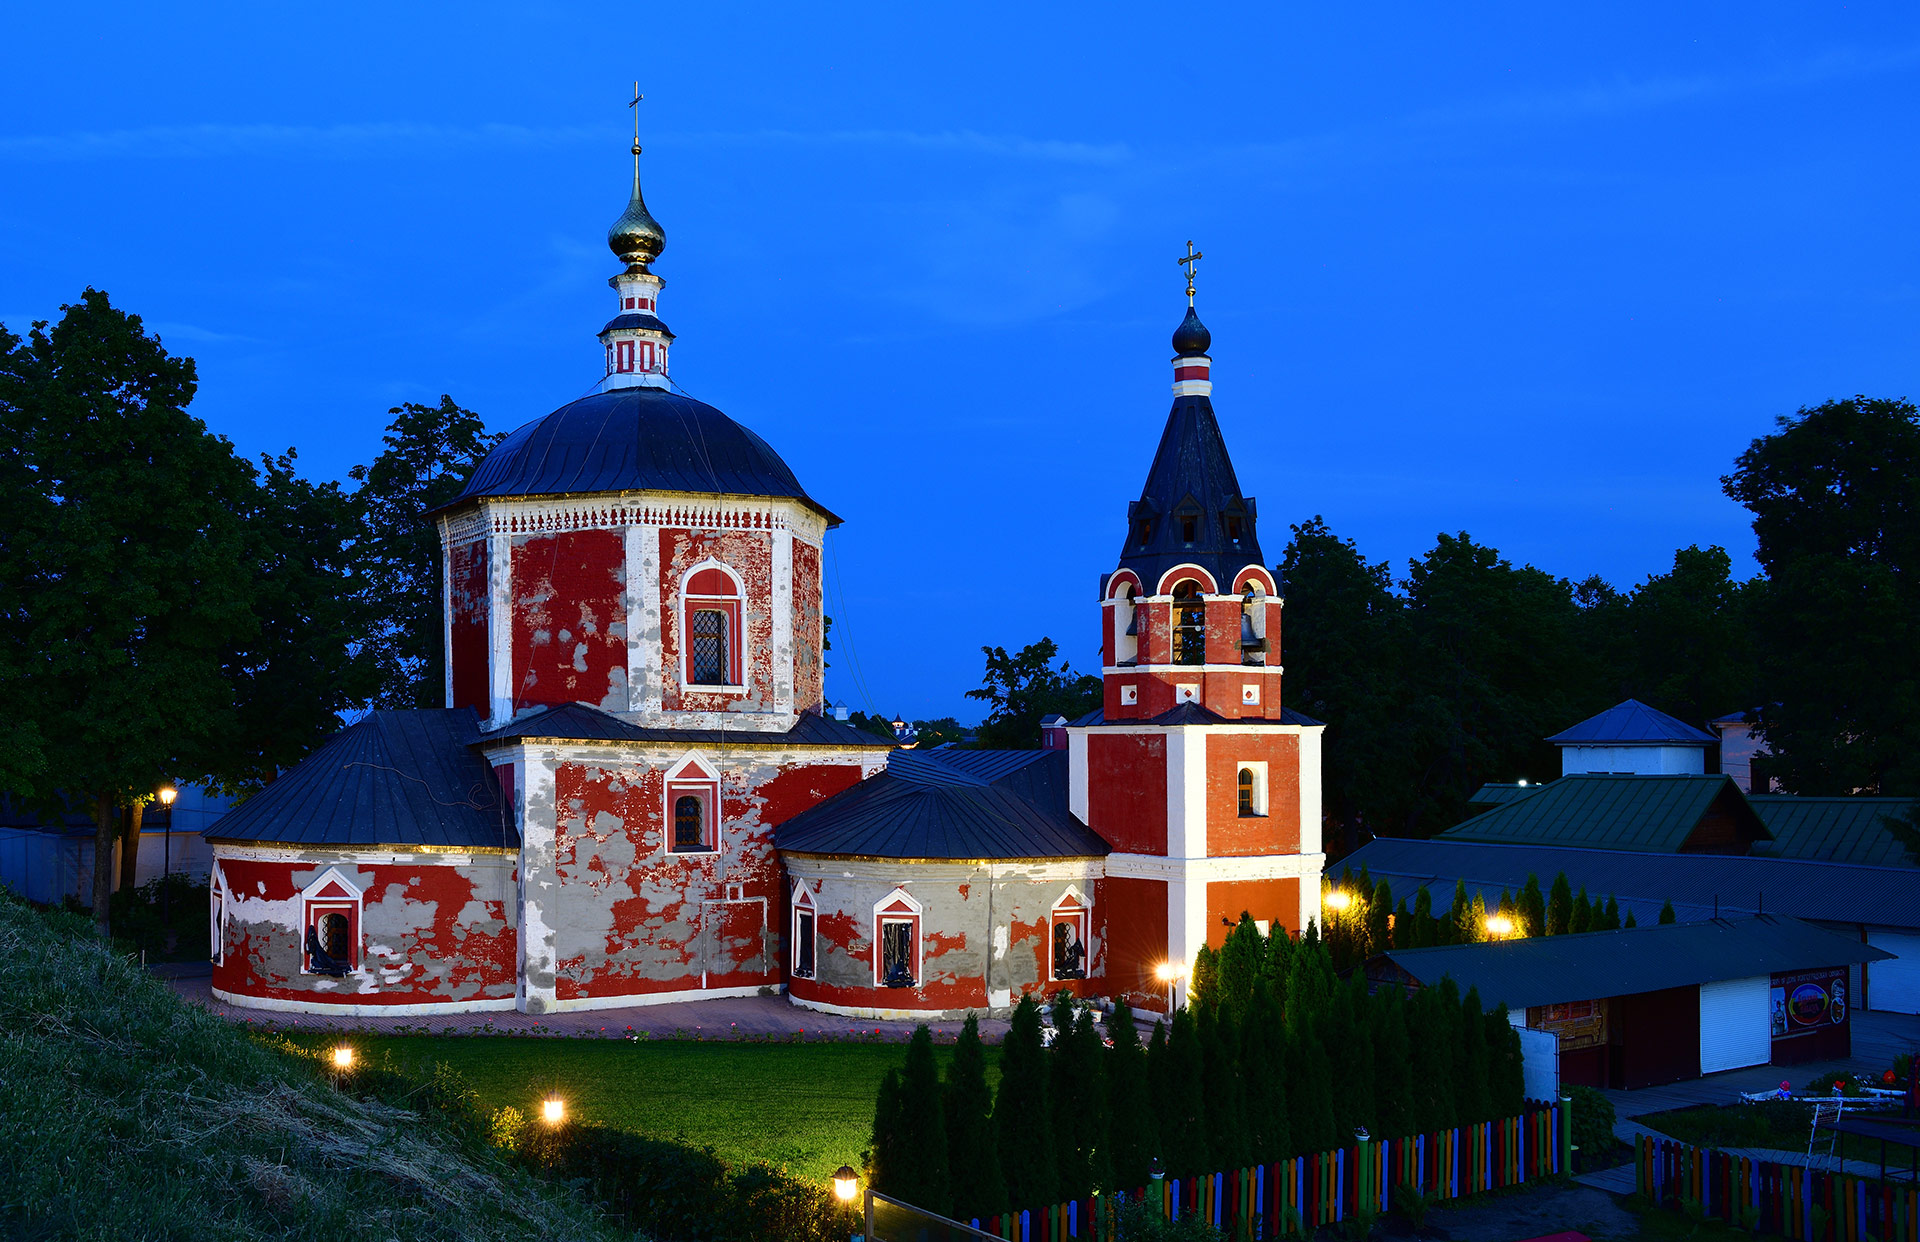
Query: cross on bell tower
[{"x": 1190, "y": 261}]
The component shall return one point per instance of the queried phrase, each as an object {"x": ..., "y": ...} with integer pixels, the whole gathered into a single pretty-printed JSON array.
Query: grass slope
[
  {"x": 807, "y": 1107},
  {"x": 127, "y": 1114}
]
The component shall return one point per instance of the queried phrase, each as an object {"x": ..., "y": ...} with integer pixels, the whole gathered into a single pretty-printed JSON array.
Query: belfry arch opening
[{"x": 1189, "y": 623}]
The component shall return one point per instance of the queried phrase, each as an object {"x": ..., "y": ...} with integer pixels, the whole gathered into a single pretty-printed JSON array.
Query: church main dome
[{"x": 636, "y": 439}]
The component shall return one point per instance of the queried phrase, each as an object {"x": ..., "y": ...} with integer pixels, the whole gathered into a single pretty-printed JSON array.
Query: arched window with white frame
[
  {"x": 710, "y": 600},
  {"x": 691, "y": 807},
  {"x": 1069, "y": 926},
  {"x": 805, "y": 933}
]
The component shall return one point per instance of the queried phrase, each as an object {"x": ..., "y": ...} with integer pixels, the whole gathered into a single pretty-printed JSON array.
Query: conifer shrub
[
  {"x": 973, "y": 1157},
  {"x": 1666, "y": 911},
  {"x": 1185, "y": 1139},
  {"x": 1132, "y": 1121},
  {"x": 1079, "y": 1097},
  {"x": 1533, "y": 908},
  {"x": 1560, "y": 906},
  {"x": 1023, "y": 1114},
  {"x": 909, "y": 1152}
]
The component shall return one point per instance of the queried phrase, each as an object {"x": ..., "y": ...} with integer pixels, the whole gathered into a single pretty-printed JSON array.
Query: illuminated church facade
[{"x": 634, "y": 794}]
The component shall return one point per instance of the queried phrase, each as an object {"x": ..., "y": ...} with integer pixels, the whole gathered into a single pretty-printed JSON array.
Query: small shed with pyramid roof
[{"x": 1632, "y": 739}]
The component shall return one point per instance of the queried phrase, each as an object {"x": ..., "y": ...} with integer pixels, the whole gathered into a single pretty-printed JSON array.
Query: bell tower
[{"x": 1206, "y": 786}]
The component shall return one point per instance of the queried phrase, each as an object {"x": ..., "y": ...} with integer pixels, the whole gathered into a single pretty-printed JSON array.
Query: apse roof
[
  {"x": 635, "y": 439},
  {"x": 1191, "y": 473},
  {"x": 950, "y": 804},
  {"x": 1633, "y": 723},
  {"x": 390, "y": 778}
]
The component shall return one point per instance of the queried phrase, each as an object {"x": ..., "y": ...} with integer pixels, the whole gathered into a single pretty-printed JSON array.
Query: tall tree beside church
[
  {"x": 1023, "y": 1113},
  {"x": 1024, "y": 688},
  {"x": 1835, "y": 498},
  {"x": 1344, "y": 647},
  {"x": 1079, "y": 1096},
  {"x": 909, "y": 1150},
  {"x": 1691, "y": 637},
  {"x": 127, "y": 565},
  {"x": 431, "y": 452},
  {"x": 973, "y": 1157},
  {"x": 1180, "y": 1094},
  {"x": 1131, "y": 1118}
]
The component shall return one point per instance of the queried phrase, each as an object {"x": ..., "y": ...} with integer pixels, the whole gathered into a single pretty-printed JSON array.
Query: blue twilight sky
[{"x": 1525, "y": 271}]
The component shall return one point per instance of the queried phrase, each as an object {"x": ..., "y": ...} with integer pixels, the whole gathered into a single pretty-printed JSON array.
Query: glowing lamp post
[
  {"x": 846, "y": 1184},
  {"x": 1499, "y": 926},
  {"x": 1170, "y": 973},
  {"x": 166, "y": 795},
  {"x": 342, "y": 1058},
  {"x": 1337, "y": 900},
  {"x": 553, "y": 1110}
]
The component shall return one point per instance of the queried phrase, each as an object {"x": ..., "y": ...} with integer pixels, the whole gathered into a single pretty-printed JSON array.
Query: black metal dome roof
[
  {"x": 636, "y": 439},
  {"x": 1191, "y": 337}
]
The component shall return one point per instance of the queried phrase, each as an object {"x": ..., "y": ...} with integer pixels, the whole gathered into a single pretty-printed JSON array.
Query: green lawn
[
  {"x": 1778, "y": 1124},
  {"x": 808, "y": 1107}
]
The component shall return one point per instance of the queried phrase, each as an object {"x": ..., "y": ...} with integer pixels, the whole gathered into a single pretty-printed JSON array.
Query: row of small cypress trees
[
  {"x": 1374, "y": 922},
  {"x": 1273, "y": 1057}
]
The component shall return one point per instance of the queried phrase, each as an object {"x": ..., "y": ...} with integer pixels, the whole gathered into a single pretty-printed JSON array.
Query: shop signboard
[{"x": 1807, "y": 1002}]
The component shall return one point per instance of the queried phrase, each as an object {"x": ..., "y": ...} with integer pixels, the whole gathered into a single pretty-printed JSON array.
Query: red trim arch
[
  {"x": 1258, "y": 575},
  {"x": 1173, "y": 577}
]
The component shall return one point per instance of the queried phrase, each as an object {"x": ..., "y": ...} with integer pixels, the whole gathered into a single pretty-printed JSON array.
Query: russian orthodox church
[{"x": 634, "y": 795}]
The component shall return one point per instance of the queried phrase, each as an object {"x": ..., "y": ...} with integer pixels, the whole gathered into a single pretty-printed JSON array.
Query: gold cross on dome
[
  {"x": 634, "y": 103},
  {"x": 1190, "y": 261}
]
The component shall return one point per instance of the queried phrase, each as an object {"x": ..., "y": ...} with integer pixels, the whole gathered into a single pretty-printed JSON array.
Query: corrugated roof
[
  {"x": 1546, "y": 970},
  {"x": 1854, "y": 830},
  {"x": 391, "y": 778},
  {"x": 1612, "y": 812},
  {"x": 924, "y": 807},
  {"x": 1695, "y": 883},
  {"x": 1633, "y": 723},
  {"x": 1498, "y": 794},
  {"x": 578, "y": 722}
]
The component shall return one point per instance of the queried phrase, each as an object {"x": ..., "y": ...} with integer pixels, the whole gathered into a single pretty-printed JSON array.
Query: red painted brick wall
[
  {"x": 1277, "y": 901},
  {"x": 569, "y": 619},
  {"x": 809, "y": 666},
  {"x": 467, "y": 573},
  {"x": 1127, "y": 791},
  {"x": 1136, "y": 939},
  {"x": 1278, "y": 831}
]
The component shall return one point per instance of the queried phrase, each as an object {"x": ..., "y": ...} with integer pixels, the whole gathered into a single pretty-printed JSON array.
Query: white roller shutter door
[
  {"x": 1734, "y": 1030},
  {"x": 1894, "y": 985}
]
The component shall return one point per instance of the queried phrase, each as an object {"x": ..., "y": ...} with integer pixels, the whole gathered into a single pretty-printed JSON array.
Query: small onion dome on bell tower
[
  {"x": 636, "y": 340},
  {"x": 1192, "y": 369}
]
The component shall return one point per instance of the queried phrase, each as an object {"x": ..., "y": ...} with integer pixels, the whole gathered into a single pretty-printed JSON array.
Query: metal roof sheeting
[
  {"x": 1497, "y": 794},
  {"x": 578, "y": 722},
  {"x": 1633, "y": 723},
  {"x": 391, "y": 778},
  {"x": 1854, "y": 830},
  {"x": 1655, "y": 813},
  {"x": 1695, "y": 883},
  {"x": 635, "y": 440},
  {"x": 1547, "y": 970},
  {"x": 925, "y": 807}
]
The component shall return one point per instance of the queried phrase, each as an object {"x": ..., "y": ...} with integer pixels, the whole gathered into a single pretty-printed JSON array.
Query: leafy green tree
[
  {"x": 1692, "y": 638},
  {"x": 910, "y": 1146},
  {"x": 1833, "y": 494},
  {"x": 1666, "y": 911},
  {"x": 1560, "y": 906},
  {"x": 1023, "y": 1113},
  {"x": 973, "y": 1159},
  {"x": 931, "y": 733},
  {"x": 127, "y": 569},
  {"x": 1080, "y": 1123},
  {"x": 1532, "y": 908},
  {"x": 431, "y": 452},
  {"x": 1023, "y": 688},
  {"x": 1132, "y": 1121},
  {"x": 1345, "y": 652},
  {"x": 879, "y": 726}
]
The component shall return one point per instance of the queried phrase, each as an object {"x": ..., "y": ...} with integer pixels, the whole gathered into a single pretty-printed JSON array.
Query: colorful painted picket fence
[
  {"x": 1792, "y": 1200},
  {"x": 1327, "y": 1187}
]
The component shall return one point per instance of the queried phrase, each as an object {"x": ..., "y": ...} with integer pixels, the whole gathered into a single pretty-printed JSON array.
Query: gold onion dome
[{"x": 636, "y": 237}]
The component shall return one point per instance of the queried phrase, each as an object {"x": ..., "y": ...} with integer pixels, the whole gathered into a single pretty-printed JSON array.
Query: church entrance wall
[{"x": 415, "y": 932}]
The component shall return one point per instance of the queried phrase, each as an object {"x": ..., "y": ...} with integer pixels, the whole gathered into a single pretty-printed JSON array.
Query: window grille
[
  {"x": 896, "y": 953},
  {"x": 803, "y": 944},
  {"x": 689, "y": 827},
  {"x": 710, "y": 647},
  {"x": 1069, "y": 951},
  {"x": 1248, "y": 807}
]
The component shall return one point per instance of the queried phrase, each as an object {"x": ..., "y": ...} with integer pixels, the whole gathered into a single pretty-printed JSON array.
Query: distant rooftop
[{"x": 1633, "y": 723}]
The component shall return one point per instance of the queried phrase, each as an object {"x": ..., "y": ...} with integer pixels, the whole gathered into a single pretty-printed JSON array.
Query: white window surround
[
  {"x": 1186, "y": 692},
  {"x": 685, "y": 604},
  {"x": 1250, "y": 694},
  {"x": 803, "y": 904},
  {"x": 1259, "y": 770},
  {"x": 888, "y": 910},
  {"x": 1129, "y": 695},
  {"x": 216, "y": 951},
  {"x": 1073, "y": 909},
  {"x": 692, "y": 776},
  {"x": 316, "y": 902}
]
